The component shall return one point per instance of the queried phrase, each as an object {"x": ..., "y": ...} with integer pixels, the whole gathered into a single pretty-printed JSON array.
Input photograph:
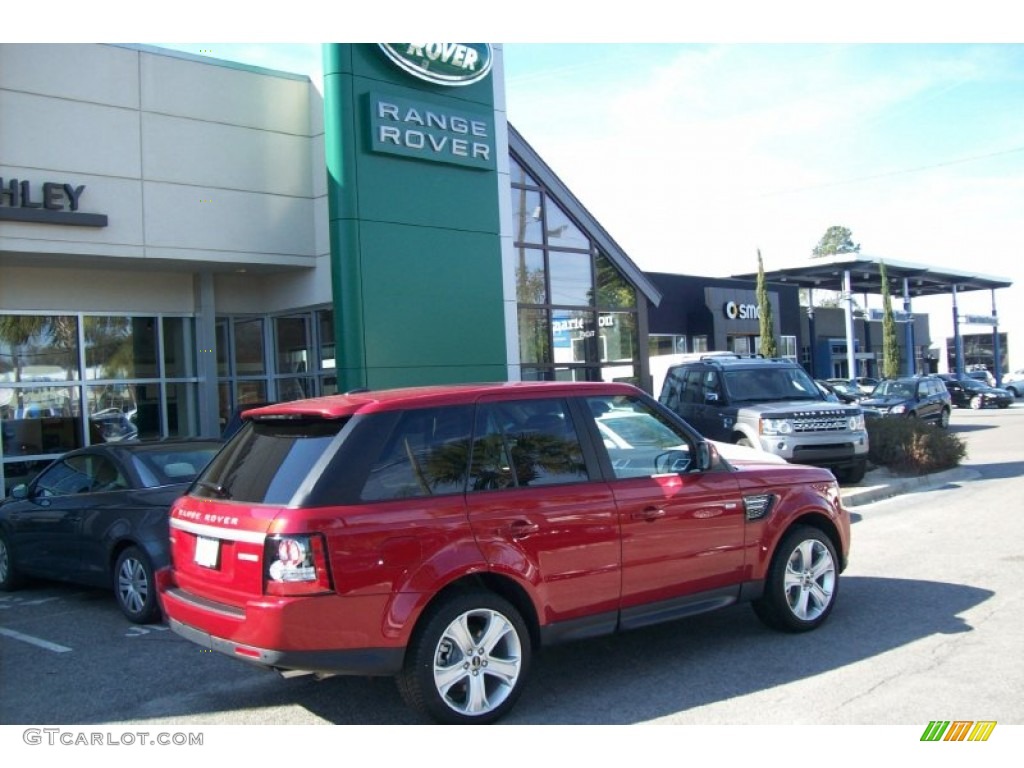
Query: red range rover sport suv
[{"x": 444, "y": 534}]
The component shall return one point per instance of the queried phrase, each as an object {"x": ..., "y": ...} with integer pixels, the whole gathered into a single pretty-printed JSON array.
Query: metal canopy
[
  {"x": 851, "y": 273},
  {"x": 827, "y": 273}
]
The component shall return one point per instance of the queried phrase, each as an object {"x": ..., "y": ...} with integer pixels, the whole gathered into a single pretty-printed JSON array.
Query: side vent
[{"x": 758, "y": 506}]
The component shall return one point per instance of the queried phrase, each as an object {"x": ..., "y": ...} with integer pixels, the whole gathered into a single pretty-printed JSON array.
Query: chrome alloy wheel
[
  {"x": 810, "y": 579},
  {"x": 132, "y": 585},
  {"x": 477, "y": 661}
]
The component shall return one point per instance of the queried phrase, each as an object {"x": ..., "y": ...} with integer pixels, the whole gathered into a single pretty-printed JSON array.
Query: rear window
[
  {"x": 172, "y": 465},
  {"x": 268, "y": 462}
]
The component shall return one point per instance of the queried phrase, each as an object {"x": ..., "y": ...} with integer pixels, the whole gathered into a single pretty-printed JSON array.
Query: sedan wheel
[
  {"x": 944, "y": 418},
  {"x": 976, "y": 402},
  {"x": 802, "y": 582},
  {"x": 134, "y": 587},
  {"x": 9, "y": 578},
  {"x": 468, "y": 660}
]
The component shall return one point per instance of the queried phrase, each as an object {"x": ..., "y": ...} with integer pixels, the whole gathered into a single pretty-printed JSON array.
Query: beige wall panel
[
  {"x": 96, "y": 73},
  {"x": 94, "y": 290},
  {"x": 188, "y": 217},
  {"x": 225, "y": 156},
  {"x": 72, "y": 136},
  {"x": 219, "y": 94}
]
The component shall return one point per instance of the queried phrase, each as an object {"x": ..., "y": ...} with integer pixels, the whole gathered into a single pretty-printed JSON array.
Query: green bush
[{"x": 910, "y": 447}]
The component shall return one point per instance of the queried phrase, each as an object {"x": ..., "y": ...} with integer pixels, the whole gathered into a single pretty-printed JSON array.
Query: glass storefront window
[
  {"x": 325, "y": 324},
  {"x": 624, "y": 374},
  {"x": 179, "y": 347},
  {"x": 294, "y": 388},
  {"x": 37, "y": 348},
  {"x": 249, "y": 347},
  {"x": 571, "y": 279},
  {"x": 39, "y": 420},
  {"x": 561, "y": 231},
  {"x": 619, "y": 336},
  {"x": 291, "y": 339},
  {"x": 700, "y": 343},
  {"x": 534, "y": 336},
  {"x": 530, "y": 288},
  {"x": 182, "y": 410},
  {"x": 120, "y": 347},
  {"x": 223, "y": 364},
  {"x": 113, "y": 413},
  {"x": 526, "y": 217},
  {"x": 613, "y": 290},
  {"x": 573, "y": 336},
  {"x": 249, "y": 392},
  {"x": 519, "y": 175}
]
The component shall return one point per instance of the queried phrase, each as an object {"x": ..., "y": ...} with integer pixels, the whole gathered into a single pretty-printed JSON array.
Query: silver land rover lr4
[{"x": 771, "y": 404}]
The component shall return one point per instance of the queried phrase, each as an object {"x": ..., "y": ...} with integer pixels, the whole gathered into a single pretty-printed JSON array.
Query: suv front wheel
[
  {"x": 468, "y": 660},
  {"x": 802, "y": 582}
]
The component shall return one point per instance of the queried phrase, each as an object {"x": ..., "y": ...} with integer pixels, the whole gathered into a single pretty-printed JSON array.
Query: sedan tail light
[{"x": 296, "y": 565}]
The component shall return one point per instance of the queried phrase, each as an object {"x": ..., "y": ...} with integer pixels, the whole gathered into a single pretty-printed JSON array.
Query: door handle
[
  {"x": 521, "y": 528},
  {"x": 648, "y": 514}
]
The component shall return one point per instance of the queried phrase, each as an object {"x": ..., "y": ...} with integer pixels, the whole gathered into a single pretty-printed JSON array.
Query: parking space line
[{"x": 34, "y": 641}]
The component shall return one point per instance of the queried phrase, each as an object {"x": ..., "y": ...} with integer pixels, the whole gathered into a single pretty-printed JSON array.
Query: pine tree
[
  {"x": 890, "y": 346},
  {"x": 764, "y": 308}
]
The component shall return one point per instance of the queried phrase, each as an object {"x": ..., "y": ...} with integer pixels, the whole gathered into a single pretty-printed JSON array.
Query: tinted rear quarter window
[
  {"x": 426, "y": 454},
  {"x": 268, "y": 462}
]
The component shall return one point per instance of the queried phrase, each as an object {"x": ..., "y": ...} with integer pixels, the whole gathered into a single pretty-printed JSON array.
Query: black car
[
  {"x": 971, "y": 393},
  {"x": 913, "y": 397},
  {"x": 98, "y": 516}
]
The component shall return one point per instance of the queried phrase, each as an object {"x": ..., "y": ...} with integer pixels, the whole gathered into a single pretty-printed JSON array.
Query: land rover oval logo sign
[{"x": 442, "y": 63}]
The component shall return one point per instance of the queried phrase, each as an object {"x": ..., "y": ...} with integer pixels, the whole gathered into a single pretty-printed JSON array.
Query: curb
[{"x": 895, "y": 486}]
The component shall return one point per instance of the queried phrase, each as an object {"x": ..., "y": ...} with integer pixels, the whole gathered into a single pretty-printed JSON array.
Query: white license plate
[{"x": 207, "y": 552}]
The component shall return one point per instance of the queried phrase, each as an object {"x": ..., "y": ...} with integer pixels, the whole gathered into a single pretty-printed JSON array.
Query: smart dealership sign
[{"x": 423, "y": 130}]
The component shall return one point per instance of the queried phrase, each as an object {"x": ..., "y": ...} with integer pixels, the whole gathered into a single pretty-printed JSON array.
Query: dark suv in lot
[
  {"x": 772, "y": 405},
  {"x": 913, "y": 397},
  {"x": 442, "y": 534}
]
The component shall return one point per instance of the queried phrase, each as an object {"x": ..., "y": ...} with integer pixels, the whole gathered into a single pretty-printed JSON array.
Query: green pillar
[{"x": 413, "y": 200}]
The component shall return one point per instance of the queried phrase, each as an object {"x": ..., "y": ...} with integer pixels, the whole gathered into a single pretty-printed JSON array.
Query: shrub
[{"x": 910, "y": 447}]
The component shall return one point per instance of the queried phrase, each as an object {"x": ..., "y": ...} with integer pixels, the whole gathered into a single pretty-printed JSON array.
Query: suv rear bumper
[{"x": 353, "y": 661}]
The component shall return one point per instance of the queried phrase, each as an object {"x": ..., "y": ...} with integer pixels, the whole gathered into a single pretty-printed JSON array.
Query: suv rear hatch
[{"x": 227, "y": 532}]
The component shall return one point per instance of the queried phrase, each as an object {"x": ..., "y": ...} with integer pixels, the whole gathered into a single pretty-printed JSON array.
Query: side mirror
[
  {"x": 711, "y": 397},
  {"x": 19, "y": 491},
  {"x": 705, "y": 456}
]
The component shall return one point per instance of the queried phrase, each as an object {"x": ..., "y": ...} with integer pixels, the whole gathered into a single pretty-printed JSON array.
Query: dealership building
[{"x": 182, "y": 236}]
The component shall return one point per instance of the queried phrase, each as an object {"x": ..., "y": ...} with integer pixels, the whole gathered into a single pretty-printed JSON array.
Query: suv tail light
[{"x": 296, "y": 565}]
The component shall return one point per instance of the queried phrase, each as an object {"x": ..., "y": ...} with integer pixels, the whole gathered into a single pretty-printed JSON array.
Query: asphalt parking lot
[{"x": 926, "y": 623}]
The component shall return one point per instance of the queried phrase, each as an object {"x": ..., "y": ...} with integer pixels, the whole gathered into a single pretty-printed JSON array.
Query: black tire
[
  {"x": 10, "y": 579},
  {"x": 944, "y": 419},
  {"x": 456, "y": 685},
  {"x": 802, "y": 583},
  {"x": 134, "y": 588},
  {"x": 746, "y": 442},
  {"x": 976, "y": 403}
]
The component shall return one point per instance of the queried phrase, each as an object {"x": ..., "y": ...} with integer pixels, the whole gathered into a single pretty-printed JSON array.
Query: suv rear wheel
[
  {"x": 802, "y": 582},
  {"x": 468, "y": 659}
]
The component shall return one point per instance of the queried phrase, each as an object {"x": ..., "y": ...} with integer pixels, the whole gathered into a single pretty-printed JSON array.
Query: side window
[
  {"x": 426, "y": 455},
  {"x": 105, "y": 476},
  {"x": 672, "y": 390},
  {"x": 639, "y": 440},
  {"x": 710, "y": 385},
  {"x": 525, "y": 443},
  {"x": 694, "y": 392},
  {"x": 68, "y": 477}
]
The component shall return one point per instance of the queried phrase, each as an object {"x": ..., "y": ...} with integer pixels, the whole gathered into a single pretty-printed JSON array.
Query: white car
[{"x": 1014, "y": 382}]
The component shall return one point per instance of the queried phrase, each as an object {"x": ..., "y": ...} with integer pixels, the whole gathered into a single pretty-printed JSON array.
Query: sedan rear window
[{"x": 267, "y": 462}]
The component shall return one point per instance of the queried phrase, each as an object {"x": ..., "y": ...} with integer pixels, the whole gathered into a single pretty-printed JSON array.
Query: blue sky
[{"x": 694, "y": 154}]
